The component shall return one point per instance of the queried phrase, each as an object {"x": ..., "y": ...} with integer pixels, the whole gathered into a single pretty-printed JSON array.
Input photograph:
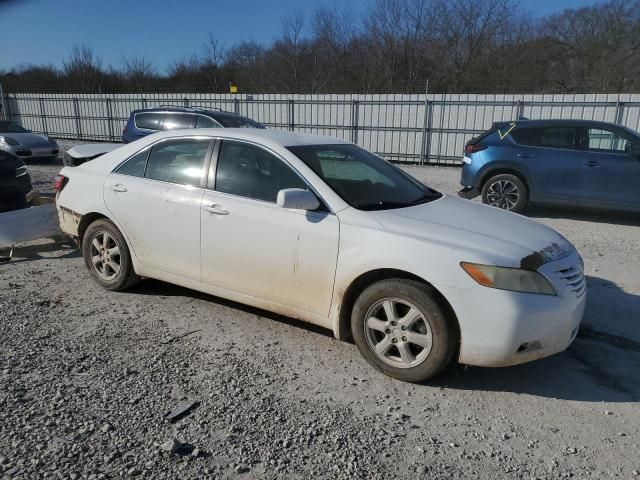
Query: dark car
[
  {"x": 15, "y": 182},
  {"x": 150, "y": 120},
  {"x": 562, "y": 162}
]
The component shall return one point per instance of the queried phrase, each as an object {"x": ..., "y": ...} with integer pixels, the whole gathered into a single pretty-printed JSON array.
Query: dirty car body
[{"x": 321, "y": 230}]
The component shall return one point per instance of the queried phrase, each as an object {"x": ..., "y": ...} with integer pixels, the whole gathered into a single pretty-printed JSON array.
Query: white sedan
[{"x": 322, "y": 230}]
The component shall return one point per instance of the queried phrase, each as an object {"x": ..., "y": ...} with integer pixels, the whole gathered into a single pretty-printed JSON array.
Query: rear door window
[
  {"x": 549, "y": 137},
  {"x": 149, "y": 121},
  {"x": 175, "y": 121},
  {"x": 177, "y": 161}
]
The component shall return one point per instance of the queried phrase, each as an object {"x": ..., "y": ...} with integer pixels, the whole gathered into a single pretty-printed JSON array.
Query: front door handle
[
  {"x": 525, "y": 155},
  {"x": 591, "y": 164},
  {"x": 118, "y": 188},
  {"x": 217, "y": 209}
]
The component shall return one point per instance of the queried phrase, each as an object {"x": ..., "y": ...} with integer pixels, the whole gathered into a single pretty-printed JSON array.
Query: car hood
[
  {"x": 31, "y": 140},
  {"x": 481, "y": 233}
]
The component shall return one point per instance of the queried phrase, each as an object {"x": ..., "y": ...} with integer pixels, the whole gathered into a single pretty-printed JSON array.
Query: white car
[{"x": 320, "y": 229}]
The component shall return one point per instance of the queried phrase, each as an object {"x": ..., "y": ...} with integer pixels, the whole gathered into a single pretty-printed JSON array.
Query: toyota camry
[{"x": 324, "y": 231}]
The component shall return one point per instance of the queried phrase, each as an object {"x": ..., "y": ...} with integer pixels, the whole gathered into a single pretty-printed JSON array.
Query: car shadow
[
  {"x": 584, "y": 214},
  {"x": 156, "y": 287},
  {"x": 32, "y": 252},
  {"x": 42, "y": 161},
  {"x": 600, "y": 366}
]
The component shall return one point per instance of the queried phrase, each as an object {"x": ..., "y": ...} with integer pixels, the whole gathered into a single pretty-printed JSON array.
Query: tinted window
[
  {"x": 362, "y": 179},
  {"x": 135, "y": 165},
  {"x": 607, "y": 140},
  {"x": 150, "y": 121},
  {"x": 252, "y": 172},
  {"x": 174, "y": 121},
  {"x": 229, "y": 120},
  {"x": 177, "y": 161},
  {"x": 206, "y": 122},
  {"x": 553, "y": 137}
]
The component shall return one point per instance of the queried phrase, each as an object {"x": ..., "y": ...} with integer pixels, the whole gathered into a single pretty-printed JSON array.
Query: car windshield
[
  {"x": 236, "y": 121},
  {"x": 362, "y": 179},
  {"x": 10, "y": 127}
]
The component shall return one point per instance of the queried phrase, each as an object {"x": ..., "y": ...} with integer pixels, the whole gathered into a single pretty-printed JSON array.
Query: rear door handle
[
  {"x": 591, "y": 164},
  {"x": 525, "y": 155},
  {"x": 217, "y": 209},
  {"x": 118, "y": 188}
]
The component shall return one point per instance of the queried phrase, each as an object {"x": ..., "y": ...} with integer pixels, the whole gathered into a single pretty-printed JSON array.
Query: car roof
[
  {"x": 169, "y": 108},
  {"x": 559, "y": 123},
  {"x": 265, "y": 136}
]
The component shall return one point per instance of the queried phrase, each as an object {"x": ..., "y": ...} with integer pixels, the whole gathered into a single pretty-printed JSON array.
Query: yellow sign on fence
[{"x": 233, "y": 88}]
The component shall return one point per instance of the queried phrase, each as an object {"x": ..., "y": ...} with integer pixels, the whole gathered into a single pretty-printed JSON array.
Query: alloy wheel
[
  {"x": 105, "y": 255},
  {"x": 398, "y": 333},
  {"x": 503, "y": 194}
]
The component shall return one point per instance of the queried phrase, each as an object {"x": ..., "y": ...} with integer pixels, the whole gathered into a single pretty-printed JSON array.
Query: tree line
[{"x": 396, "y": 46}]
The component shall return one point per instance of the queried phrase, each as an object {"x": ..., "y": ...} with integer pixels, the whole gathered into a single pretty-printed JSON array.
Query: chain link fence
[{"x": 415, "y": 129}]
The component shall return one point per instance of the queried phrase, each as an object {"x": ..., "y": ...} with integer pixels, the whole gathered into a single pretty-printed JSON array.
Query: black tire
[
  {"x": 505, "y": 191},
  {"x": 107, "y": 235},
  {"x": 443, "y": 331}
]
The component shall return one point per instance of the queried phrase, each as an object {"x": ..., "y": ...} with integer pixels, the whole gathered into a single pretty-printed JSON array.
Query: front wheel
[
  {"x": 505, "y": 191},
  {"x": 107, "y": 256},
  {"x": 401, "y": 330}
]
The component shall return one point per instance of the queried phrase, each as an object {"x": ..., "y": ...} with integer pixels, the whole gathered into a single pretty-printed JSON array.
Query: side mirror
[{"x": 297, "y": 198}]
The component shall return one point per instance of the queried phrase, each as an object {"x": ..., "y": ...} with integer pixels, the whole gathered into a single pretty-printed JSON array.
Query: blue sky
[{"x": 44, "y": 31}]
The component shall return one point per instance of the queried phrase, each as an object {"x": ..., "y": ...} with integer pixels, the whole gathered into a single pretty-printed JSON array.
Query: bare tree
[
  {"x": 138, "y": 70},
  {"x": 83, "y": 68}
]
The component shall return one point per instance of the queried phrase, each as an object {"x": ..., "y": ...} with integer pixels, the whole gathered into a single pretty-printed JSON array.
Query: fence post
[
  {"x": 143, "y": 101},
  {"x": 292, "y": 122},
  {"x": 2, "y": 104},
  {"x": 355, "y": 115},
  {"x": 76, "y": 111},
  {"x": 619, "y": 112},
  {"x": 185, "y": 102},
  {"x": 236, "y": 106},
  {"x": 425, "y": 152},
  {"x": 519, "y": 109},
  {"x": 43, "y": 117},
  {"x": 109, "y": 118}
]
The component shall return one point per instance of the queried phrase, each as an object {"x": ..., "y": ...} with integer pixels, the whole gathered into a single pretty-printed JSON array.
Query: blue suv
[
  {"x": 562, "y": 162},
  {"x": 150, "y": 120}
]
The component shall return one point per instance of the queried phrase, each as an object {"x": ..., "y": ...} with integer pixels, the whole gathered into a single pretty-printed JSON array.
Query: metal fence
[{"x": 404, "y": 128}]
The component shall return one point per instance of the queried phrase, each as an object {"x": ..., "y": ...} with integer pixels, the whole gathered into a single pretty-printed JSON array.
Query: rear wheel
[
  {"x": 107, "y": 256},
  {"x": 505, "y": 191},
  {"x": 400, "y": 329}
]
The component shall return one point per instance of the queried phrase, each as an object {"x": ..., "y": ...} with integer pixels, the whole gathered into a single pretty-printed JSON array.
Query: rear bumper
[{"x": 468, "y": 192}]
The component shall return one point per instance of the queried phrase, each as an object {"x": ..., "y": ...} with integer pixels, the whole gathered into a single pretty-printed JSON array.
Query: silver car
[{"x": 24, "y": 144}]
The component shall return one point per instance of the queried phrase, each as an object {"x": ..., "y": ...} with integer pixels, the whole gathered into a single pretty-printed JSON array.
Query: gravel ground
[{"x": 88, "y": 376}]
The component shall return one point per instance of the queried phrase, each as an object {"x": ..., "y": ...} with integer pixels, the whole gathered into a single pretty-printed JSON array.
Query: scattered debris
[
  {"x": 178, "y": 337},
  {"x": 181, "y": 410}
]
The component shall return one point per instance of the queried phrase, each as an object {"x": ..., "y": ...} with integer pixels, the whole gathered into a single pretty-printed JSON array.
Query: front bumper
[
  {"x": 500, "y": 328},
  {"x": 31, "y": 152}
]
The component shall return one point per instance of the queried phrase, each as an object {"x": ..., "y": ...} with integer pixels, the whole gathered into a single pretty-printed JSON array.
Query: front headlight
[
  {"x": 20, "y": 171},
  {"x": 505, "y": 278},
  {"x": 9, "y": 141},
  {"x": 52, "y": 141}
]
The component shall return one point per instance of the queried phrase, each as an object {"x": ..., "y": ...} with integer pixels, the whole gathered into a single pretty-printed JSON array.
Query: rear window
[
  {"x": 550, "y": 137},
  {"x": 149, "y": 121}
]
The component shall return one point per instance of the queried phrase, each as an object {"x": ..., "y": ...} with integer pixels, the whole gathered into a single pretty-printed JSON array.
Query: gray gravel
[{"x": 87, "y": 378}]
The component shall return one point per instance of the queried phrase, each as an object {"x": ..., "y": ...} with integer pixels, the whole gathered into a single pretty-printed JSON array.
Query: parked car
[
  {"x": 23, "y": 143},
  {"x": 320, "y": 229},
  {"x": 151, "y": 120},
  {"x": 80, "y": 154},
  {"x": 15, "y": 182},
  {"x": 561, "y": 162}
]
